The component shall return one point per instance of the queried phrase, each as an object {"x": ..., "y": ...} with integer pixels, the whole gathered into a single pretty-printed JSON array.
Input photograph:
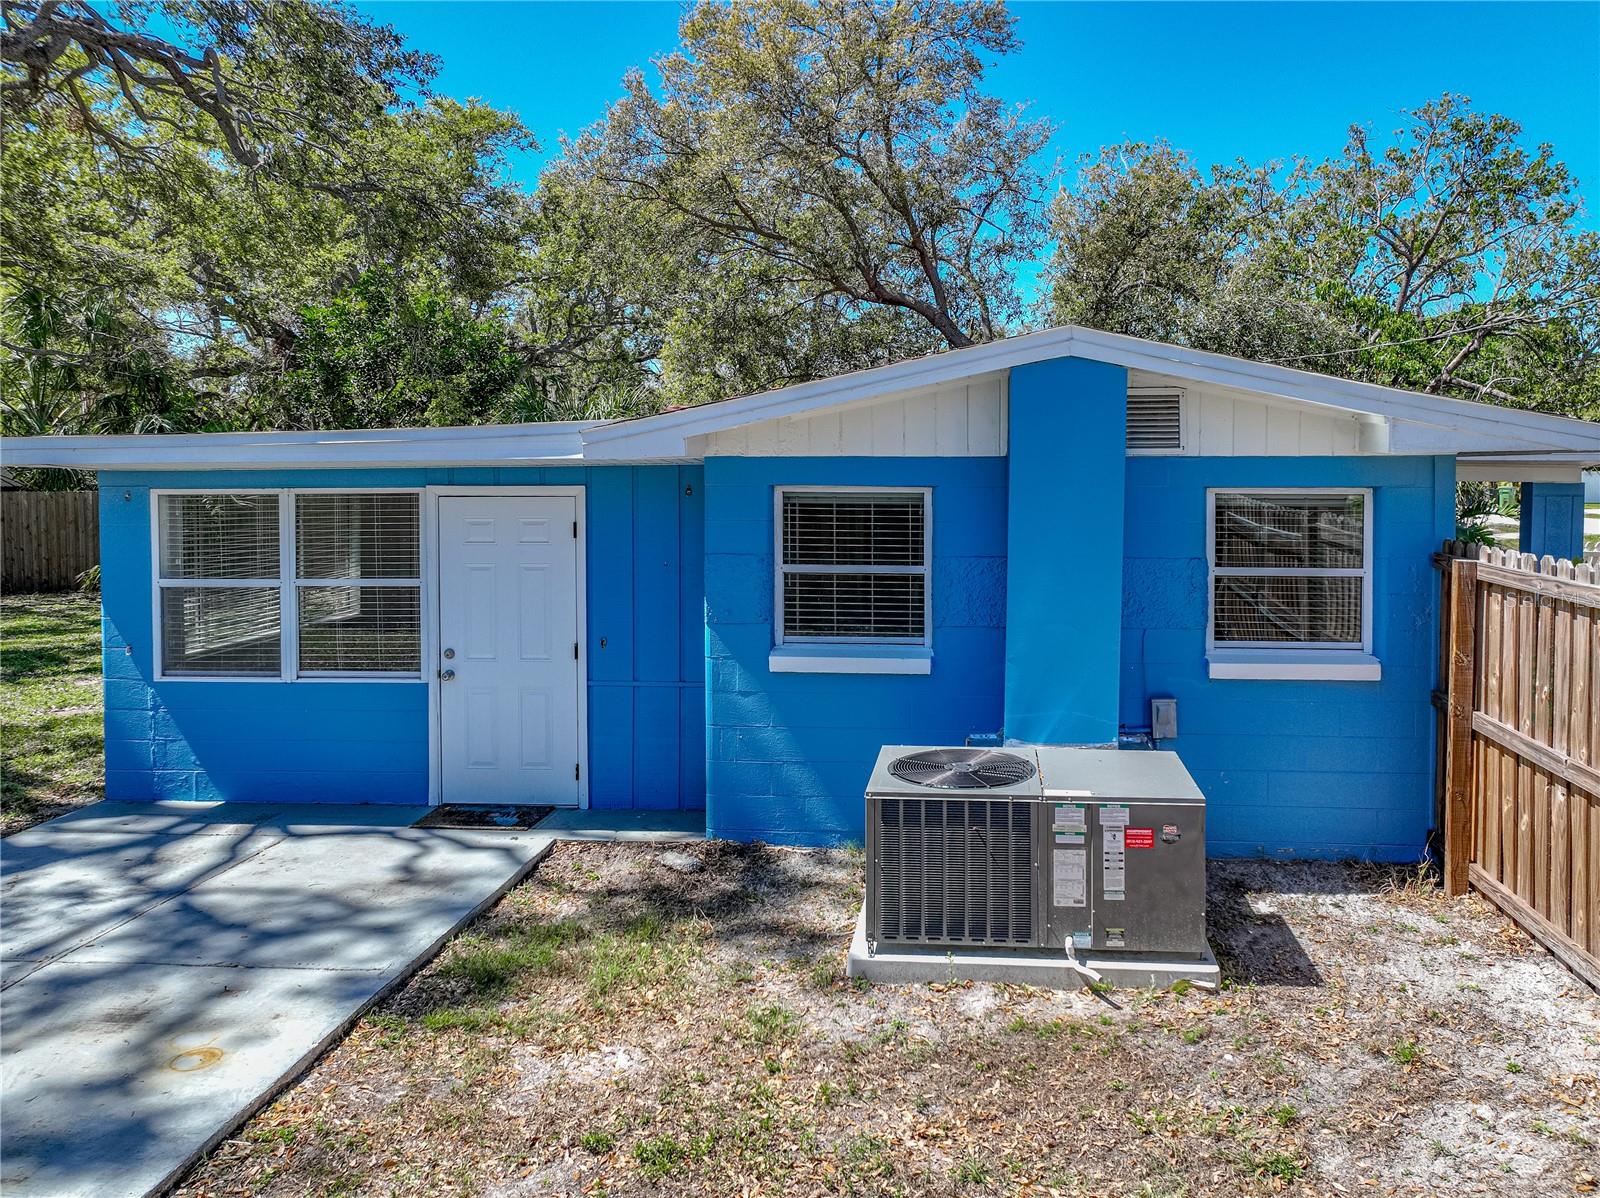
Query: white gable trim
[
  {"x": 1390, "y": 420},
  {"x": 1464, "y": 425}
]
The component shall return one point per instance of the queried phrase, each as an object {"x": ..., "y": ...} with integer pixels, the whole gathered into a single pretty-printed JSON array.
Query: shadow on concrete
[{"x": 165, "y": 975}]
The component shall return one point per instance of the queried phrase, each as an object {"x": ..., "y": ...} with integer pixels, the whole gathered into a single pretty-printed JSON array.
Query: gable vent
[{"x": 1155, "y": 419}]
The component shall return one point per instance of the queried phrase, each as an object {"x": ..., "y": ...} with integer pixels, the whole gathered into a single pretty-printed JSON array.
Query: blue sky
[{"x": 1220, "y": 80}]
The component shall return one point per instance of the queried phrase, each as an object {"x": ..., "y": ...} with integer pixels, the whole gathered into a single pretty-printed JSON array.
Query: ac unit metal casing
[{"x": 1101, "y": 849}]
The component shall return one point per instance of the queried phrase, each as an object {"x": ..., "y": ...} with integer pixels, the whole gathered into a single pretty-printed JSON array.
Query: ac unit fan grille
[
  {"x": 955, "y": 871},
  {"x": 962, "y": 769}
]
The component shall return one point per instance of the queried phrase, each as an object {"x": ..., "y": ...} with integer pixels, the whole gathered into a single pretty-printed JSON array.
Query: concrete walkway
[{"x": 166, "y": 967}]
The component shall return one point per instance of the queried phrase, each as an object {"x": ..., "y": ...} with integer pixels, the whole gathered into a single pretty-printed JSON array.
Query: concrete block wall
[
  {"x": 788, "y": 755},
  {"x": 1068, "y": 426},
  {"x": 367, "y": 742},
  {"x": 1292, "y": 768}
]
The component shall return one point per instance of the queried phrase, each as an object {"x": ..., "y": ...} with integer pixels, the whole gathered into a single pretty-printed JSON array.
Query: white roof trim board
[
  {"x": 1409, "y": 422},
  {"x": 552, "y": 444}
]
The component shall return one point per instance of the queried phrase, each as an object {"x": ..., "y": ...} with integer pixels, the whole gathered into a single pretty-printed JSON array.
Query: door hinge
[
  {"x": 577, "y": 772},
  {"x": 574, "y": 650},
  {"x": 574, "y": 530}
]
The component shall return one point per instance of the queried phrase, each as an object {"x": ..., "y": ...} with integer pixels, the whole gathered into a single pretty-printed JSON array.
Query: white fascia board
[
  {"x": 1504, "y": 424},
  {"x": 1462, "y": 424},
  {"x": 1410, "y": 437},
  {"x": 1525, "y": 467},
  {"x": 486, "y": 445},
  {"x": 1506, "y": 470}
]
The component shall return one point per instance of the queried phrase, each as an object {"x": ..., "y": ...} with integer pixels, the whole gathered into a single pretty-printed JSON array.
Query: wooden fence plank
[
  {"x": 1526, "y": 659},
  {"x": 1533, "y": 735},
  {"x": 1543, "y": 696},
  {"x": 47, "y": 538},
  {"x": 1538, "y": 927},
  {"x": 1460, "y": 687},
  {"x": 1582, "y": 831}
]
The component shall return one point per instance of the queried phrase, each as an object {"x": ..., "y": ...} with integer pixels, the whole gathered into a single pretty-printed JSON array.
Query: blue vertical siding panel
[
  {"x": 788, "y": 754},
  {"x": 611, "y": 740},
  {"x": 692, "y": 581},
  {"x": 611, "y": 597},
  {"x": 1067, "y": 429},
  {"x": 657, "y": 575},
  {"x": 1292, "y": 768},
  {"x": 657, "y": 745},
  {"x": 358, "y": 742},
  {"x": 1552, "y": 520}
]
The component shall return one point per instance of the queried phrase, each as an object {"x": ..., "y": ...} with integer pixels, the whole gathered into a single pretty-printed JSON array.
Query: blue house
[{"x": 731, "y": 607}]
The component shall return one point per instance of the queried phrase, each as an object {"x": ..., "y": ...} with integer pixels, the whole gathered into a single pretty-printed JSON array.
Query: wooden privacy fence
[
  {"x": 1520, "y": 742},
  {"x": 47, "y": 538}
]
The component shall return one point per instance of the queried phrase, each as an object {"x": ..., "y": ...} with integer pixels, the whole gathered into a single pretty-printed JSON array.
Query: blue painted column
[
  {"x": 1552, "y": 519},
  {"x": 1064, "y": 546}
]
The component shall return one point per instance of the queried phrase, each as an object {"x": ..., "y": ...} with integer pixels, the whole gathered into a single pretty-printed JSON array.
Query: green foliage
[
  {"x": 1451, "y": 260},
  {"x": 383, "y": 354},
  {"x": 1475, "y": 503},
  {"x": 227, "y": 214},
  {"x": 167, "y": 243},
  {"x": 812, "y": 188}
]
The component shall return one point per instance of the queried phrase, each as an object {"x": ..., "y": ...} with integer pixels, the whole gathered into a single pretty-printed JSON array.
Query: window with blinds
[
  {"x": 1290, "y": 569},
  {"x": 219, "y": 580},
  {"x": 358, "y": 586},
  {"x": 853, "y": 566},
  {"x": 284, "y": 584}
]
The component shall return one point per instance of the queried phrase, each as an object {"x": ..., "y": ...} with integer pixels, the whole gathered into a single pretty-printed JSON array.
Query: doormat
[{"x": 470, "y": 816}]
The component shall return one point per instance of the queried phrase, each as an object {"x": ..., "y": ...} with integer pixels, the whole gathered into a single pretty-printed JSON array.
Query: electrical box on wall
[{"x": 1163, "y": 719}]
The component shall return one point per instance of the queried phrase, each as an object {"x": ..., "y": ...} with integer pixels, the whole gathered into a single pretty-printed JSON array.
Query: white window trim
[
  {"x": 1327, "y": 660},
  {"x": 821, "y": 655},
  {"x": 287, "y": 584}
]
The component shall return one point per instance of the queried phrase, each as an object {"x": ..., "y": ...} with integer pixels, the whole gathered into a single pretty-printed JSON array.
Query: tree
[
  {"x": 207, "y": 225},
  {"x": 263, "y": 80},
  {"x": 843, "y": 154},
  {"x": 387, "y": 353},
  {"x": 1452, "y": 260}
]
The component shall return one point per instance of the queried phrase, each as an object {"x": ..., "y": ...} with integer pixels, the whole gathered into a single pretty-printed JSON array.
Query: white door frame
[{"x": 430, "y": 621}]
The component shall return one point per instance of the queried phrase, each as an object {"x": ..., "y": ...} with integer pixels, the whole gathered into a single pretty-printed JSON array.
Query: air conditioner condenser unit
[{"x": 995, "y": 863}]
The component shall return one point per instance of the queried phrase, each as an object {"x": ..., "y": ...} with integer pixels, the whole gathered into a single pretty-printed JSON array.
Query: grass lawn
[
  {"x": 51, "y": 741},
  {"x": 618, "y": 1026}
]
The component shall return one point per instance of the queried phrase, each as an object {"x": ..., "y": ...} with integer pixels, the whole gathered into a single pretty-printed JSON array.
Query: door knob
[{"x": 446, "y": 675}]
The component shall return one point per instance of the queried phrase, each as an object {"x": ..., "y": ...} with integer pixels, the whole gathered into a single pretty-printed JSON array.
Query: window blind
[
  {"x": 219, "y": 536},
  {"x": 854, "y": 566},
  {"x": 218, "y": 558},
  {"x": 1289, "y": 569},
  {"x": 373, "y": 539}
]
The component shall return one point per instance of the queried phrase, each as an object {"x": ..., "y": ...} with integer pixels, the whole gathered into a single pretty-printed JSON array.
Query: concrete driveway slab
[
  {"x": 63, "y": 889},
  {"x": 165, "y": 977},
  {"x": 150, "y": 819},
  {"x": 124, "y": 1073},
  {"x": 334, "y": 897}
]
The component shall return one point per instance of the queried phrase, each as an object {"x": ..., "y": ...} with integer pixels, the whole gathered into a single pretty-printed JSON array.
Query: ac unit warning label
[
  {"x": 1114, "y": 815},
  {"x": 1113, "y": 864},
  {"x": 1139, "y": 838},
  {"x": 1069, "y": 824},
  {"x": 1070, "y": 877}
]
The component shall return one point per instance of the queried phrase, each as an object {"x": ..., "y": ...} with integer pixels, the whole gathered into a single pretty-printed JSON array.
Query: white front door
[{"x": 508, "y": 665}]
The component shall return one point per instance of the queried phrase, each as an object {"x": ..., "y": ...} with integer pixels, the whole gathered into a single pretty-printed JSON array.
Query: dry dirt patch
[{"x": 632, "y": 1023}]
